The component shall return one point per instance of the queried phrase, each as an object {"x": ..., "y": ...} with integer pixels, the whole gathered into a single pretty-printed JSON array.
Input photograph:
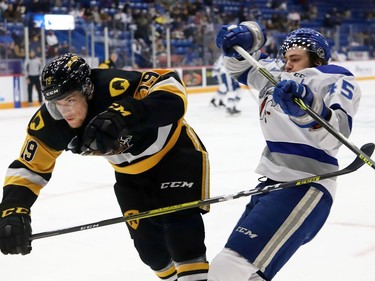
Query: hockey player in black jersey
[{"x": 136, "y": 121}]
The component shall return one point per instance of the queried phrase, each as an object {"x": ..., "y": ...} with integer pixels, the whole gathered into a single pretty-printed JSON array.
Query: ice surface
[{"x": 80, "y": 192}]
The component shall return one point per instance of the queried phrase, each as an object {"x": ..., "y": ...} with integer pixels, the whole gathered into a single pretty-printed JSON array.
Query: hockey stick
[
  {"x": 356, "y": 164},
  {"x": 321, "y": 121}
]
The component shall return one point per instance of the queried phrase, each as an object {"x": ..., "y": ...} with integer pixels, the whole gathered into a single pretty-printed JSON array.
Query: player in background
[
  {"x": 274, "y": 225},
  {"x": 110, "y": 62},
  {"x": 135, "y": 120},
  {"x": 229, "y": 88}
]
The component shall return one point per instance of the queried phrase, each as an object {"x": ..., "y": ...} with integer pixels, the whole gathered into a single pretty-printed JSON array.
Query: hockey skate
[
  {"x": 220, "y": 104},
  {"x": 233, "y": 111}
]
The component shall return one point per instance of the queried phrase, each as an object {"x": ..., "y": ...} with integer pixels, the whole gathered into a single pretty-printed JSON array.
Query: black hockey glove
[
  {"x": 106, "y": 134},
  {"x": 15, "y": 229}
]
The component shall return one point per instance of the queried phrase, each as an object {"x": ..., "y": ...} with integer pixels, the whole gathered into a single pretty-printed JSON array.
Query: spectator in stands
[
  {"x": 105, "y": 17},
  {"x": 190, "y": 30},
  {"x": 271, "y": 47},
  {"x": 38, "y": 6},
  {"x": 110, "y": 62},
  {"x": 141, "y": 53},
  {"x": 88, "y": 15},
  {"x": 35, "y": 44},
  {"x": 143, "y": 21},
  {"x": 123, "y": 61},
  {"x": 160, "y": 20},
  {"x": 78, "y": 12},
  {"x": 6, "y": 44},
  {"x": 12, "y": 13},
  {"x": 277, "y": 4},
  {"x": 83, "y": 52},
  {"x": 52, "y": 44},
  {"x": 160, "y": 49},
  {"x": 338, "y": 56},
  {"x": 19, "y": 45},
  {"x": 277, "y": 22},
  {"x": 294, "y": 19},
  {"x": 108, "y": 3},
  {"x": 3, "y": 8},
  {"x": 33, "y": 68},
  {"x": 370, "y": 15},
  {"x": 178, "y": 33},
  {"x": 95, "y": 13},
  {"x": 121, "y": 19},
  {"x": 64, "y": 48},
  {"x": 192, "y": 57},
  {"x": 331, "y": 20},
  {"x": 311, "y": 13}
]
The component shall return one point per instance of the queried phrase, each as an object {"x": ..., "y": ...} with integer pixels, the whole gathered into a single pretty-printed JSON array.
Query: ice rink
[{"x": 81, "y": 192}]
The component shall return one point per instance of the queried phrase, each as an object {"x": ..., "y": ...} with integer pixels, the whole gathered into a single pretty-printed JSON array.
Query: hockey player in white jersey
[
  {"x": 274, "y": 225},
  {"x": 229, "y": 88}
]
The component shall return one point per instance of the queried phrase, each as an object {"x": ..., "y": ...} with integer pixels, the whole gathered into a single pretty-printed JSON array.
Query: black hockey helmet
[{"x": 65, "y": 74}]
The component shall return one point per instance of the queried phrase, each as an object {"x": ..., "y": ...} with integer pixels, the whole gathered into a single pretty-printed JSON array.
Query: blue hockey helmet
[{"x": 307, "y": 39}]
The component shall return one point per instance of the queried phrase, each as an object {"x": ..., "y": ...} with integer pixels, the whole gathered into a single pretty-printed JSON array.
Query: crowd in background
[{"x": 192, "y": 24}]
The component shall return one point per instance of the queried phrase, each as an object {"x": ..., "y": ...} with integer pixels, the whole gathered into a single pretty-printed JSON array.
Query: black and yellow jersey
[{"x": 161, "y": 94}]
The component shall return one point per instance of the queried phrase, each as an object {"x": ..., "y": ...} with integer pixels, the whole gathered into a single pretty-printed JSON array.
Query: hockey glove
[
  {"x": 284, "y": 94},
  {"x": 15, "y": 229},
  {"x": 106, "y": 133},
  {"x": 249, "y": 35}
]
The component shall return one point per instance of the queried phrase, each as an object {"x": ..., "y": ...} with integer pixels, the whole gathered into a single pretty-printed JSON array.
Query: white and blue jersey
[
  {"x": 310, "y": 151},
  {"x": 274, "y": 225}
]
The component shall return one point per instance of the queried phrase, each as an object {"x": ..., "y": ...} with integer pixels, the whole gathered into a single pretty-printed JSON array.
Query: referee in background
[{"x": 33, "y": 68}]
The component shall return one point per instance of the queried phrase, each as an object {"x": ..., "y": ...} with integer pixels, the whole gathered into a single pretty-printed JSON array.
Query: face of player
[
  {"x": 73, "y": 108},
  {"x": 296, "y": 60}
]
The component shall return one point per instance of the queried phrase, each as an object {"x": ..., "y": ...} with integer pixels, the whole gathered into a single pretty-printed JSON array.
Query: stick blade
[{"x": 368, "y": 149}]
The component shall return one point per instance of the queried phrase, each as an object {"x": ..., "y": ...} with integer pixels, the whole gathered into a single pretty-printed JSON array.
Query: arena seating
[{"x": 352, "y": 31}]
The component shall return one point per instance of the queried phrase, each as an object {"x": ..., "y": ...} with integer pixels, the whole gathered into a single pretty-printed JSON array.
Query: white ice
[{"x": 80, "y": 192}]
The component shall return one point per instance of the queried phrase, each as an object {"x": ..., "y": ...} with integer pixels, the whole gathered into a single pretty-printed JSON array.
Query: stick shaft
[{"x": 356, "y": 164}]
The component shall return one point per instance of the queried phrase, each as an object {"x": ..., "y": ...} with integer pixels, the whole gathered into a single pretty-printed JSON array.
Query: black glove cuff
[{"x": 7, "y": 209}]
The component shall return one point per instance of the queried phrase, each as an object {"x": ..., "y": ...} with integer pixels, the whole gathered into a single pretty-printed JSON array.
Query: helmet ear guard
[{"x": 87, "y": 88}]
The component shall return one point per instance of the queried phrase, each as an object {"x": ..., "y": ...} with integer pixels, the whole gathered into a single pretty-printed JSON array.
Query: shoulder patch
[
  {"x": 37, "y": 123},
  {"x": 118, "y": 86}
]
